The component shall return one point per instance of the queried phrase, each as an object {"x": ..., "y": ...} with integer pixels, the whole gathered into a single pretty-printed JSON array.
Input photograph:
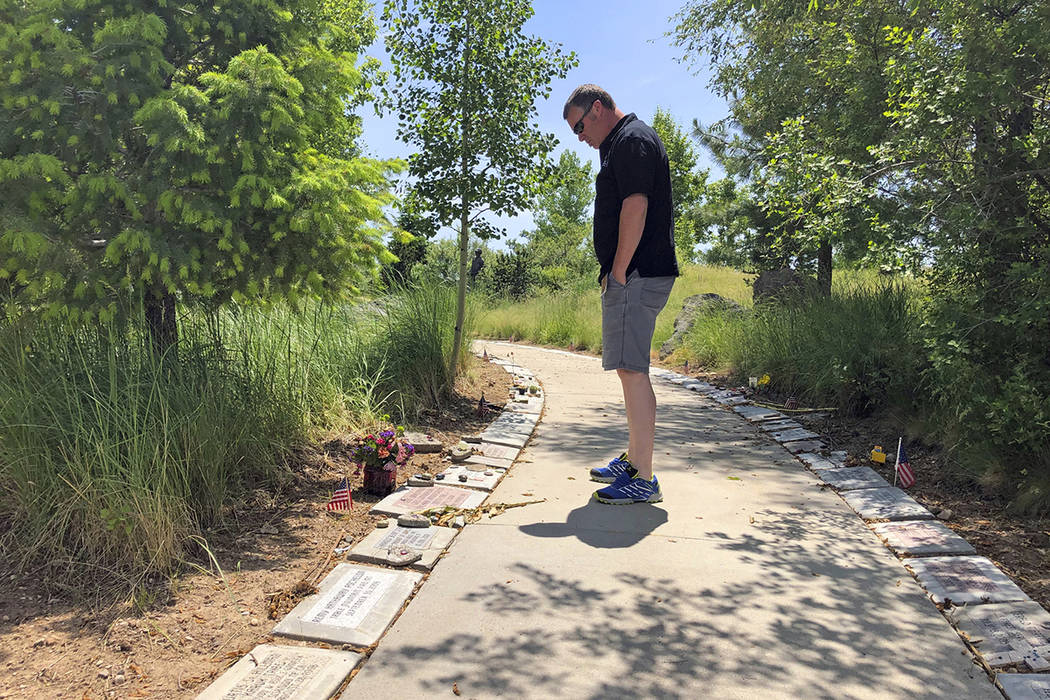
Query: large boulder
[
  {"x": 785, "y": 283},
  {"x": 691, "y": 308}
]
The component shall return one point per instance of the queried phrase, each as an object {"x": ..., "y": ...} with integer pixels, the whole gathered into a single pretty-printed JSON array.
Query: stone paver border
[
  {"x": 831, "y": 469},
  {"x": 518, "y": 419}
]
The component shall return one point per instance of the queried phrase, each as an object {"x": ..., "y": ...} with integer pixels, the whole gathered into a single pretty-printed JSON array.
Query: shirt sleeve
[{"x": 634, "y": 168}]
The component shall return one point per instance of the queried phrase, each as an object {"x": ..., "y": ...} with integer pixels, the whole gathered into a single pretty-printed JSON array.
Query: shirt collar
[{"x": 627, "y": 119}]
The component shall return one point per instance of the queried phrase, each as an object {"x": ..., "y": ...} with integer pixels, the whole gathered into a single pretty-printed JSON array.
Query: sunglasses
[{"x": 577, "y": 128}]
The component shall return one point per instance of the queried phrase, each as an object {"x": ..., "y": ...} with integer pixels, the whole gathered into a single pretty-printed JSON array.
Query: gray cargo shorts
[{"x": 628, "y": 318}]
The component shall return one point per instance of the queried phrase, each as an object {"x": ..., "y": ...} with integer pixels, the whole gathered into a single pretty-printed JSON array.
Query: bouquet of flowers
[{"x": 385, "y": 450}]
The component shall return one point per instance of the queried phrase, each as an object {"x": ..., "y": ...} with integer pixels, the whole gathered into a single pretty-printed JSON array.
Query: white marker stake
[{"x": 896, "y": 465}]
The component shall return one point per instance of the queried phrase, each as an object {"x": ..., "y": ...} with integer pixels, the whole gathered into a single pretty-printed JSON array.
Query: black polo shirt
[{"x": 633, "y": 161}]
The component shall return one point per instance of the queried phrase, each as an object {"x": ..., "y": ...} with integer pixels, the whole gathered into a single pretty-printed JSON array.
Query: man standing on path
[{"x": 634, "y": 243}]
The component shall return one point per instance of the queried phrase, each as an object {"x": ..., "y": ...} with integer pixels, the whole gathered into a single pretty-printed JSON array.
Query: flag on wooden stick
[
  {"x": 341, "y": 499},
  {"x": 902, "y": 470}
]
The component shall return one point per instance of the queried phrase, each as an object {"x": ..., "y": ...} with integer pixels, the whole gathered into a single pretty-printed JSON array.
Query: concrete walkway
[{"x": 747, "y": 581}]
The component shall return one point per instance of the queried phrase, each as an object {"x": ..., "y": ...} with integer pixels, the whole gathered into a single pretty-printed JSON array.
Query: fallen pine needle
[{"x": 471, "y": 515}]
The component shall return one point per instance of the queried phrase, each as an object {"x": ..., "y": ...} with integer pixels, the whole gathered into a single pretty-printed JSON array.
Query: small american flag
[
  {"x": 903, "y": 468},
  {"x": 341, "y": 499}
]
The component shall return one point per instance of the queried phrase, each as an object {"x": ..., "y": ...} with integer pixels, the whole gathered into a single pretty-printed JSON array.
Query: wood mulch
[{"x": 275, "y": 546}]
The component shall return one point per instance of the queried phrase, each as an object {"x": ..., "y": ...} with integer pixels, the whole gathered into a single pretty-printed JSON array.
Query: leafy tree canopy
[
  {"x": 467, "y": 78},
  {"x": 174, "y": 149}
]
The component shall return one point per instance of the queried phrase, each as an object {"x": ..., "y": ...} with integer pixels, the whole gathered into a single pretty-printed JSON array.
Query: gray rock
[
  {"x": 420, "y": 480},
  {"x": 403, "y": 556},
  {"x": 413, "y": 520},
  {"x": 780, "y": 285},
  {"x": 691, "y": 308}
]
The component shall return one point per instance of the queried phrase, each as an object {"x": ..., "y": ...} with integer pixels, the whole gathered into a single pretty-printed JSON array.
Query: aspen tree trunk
[{"x": 464, "y": 214}]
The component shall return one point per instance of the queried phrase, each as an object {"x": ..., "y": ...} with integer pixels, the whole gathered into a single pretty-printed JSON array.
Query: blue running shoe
[
  {"x": 612, "y": 471},
  {"x": 636, "y": 490}
]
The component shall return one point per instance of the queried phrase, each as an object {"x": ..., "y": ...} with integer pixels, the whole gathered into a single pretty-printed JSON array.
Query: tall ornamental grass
[
  {"x": 112, "y": 459},
  {"x": 856, "y": 350}
]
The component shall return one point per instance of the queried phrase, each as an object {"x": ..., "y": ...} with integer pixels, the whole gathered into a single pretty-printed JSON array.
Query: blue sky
[{"x": 620, "y": 47}]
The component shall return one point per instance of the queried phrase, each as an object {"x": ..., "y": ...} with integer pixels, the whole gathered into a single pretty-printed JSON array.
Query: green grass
[
  {"x": 855, "y": 350},
  {"x": 574, "y": 318},
  {"x": 112, "y": 460}
]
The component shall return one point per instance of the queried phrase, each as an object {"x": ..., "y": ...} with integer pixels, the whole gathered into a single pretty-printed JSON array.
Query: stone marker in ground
[
  {"x": 885, "y": 504},
  {"x": 481, "y": 462},
  {"x": 525, "y": 420},
  {"x": 776, "y": 426},
  {"x": 800, "y": 446},
  {"x": 702, "y": 387},
  {"x": 511, "y": 428},
  {"x": 355, "y": 605},
  {"x": 485, "y": 480},
  {"x": 502, "y": 437},
  {"x": 1024, "y": 686},
  {"x": 794, "y": 434},
  {"x": 487, "y": 449},
  {"x": 816, "y": 462},
  {"x": 922, "y": 538},
  {"x": 283, "y": 673},
  {"x": 410, "y": 500},
  {"x": 853, "y": 478},
  {"x": 964, "y": 580},
  {"x": 732, "y": 400},
  {"x": 531, "y": 406},
  {"x": 423, "y": 443},
  {"x": 756, "y": 413},
  {"x": 431, "y": 542},
  {"x": 1007, "y": 633}
]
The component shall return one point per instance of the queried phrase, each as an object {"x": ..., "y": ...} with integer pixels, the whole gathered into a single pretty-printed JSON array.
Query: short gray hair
[{"x": 584, "y": 96}]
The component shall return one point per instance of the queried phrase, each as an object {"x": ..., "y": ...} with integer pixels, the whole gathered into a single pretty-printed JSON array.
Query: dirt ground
[{"x": 274, "y": 548}]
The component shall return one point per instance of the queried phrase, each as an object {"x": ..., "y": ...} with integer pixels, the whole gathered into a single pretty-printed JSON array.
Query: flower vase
[{"x": 382, "y": 480}]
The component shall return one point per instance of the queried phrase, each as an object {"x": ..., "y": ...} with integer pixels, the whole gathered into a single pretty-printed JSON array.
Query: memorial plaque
[
  {"x": 702, "y": 387},
  {"x": 432, "y": 541},
  {"x": 922, "y": 538},
  {"x": 527, "y": 420},
  {"x": 415, "y": 537},
  {"x": 530, "y": 406},
  {"x": 777, "y": 426},
  {"x": 355, "y": 605},
  {"x": 963, "y": 579},
  {"x": 755, "y": 413},
  {"x": 678, "y": 379},
  {"x": 502, "y": 437},
  {"x": 487, "y": 449},
  {"x": 485, "y": 480},
  {"x": 483, "y": 462},
  {"x": 885, "y": 504},
  {"x": 732, "y": 400},
  {"x": 816, "y": 462},
  {"x": 1008, "y": 633},
  {"x": 283, "y": 673},
  {"x": 1024, "y": 686},
  {"x": 502, "y": 426},
  {"x": 411, "y": 500},
  {"x": 794, "y": 434},
  {"x": 800, "y": 446},
  {"x": 853, "y": 478}
]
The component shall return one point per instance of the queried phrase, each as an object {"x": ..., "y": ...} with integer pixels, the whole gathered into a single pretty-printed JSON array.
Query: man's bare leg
[{"x": 640, "y": 402}]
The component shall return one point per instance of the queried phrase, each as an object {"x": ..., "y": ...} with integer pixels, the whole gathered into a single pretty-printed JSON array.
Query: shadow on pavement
[{"x": 604, "y": 526}]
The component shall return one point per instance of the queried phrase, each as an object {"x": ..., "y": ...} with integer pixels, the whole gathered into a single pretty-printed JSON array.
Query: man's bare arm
[{"x": 632, "y": 223}]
